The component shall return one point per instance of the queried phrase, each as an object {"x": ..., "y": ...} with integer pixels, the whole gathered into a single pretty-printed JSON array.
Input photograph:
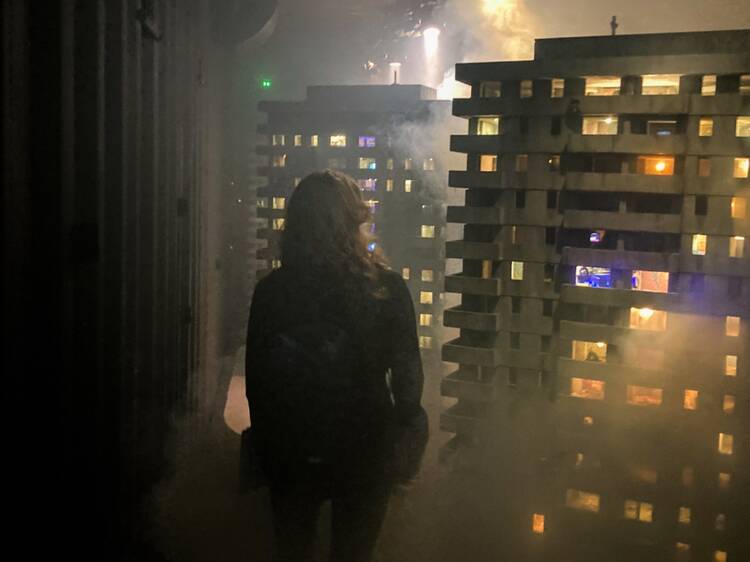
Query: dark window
[
  {"x": 524, "y": 125},
  {"x": 697, "y": 283},
  {"x": 552, "y": 199},
  {"x": 546, "y": 343},
  {"x": 550, "y": 237},
  {"x": 701, "y": 205},
  {"x": 735, "y": 287},
  {"x": 555, "y": 125},
  {"x": 549, "y": 272},
  {"x": 515, "y": 305},
  {"x": 547, "y": 307},
  {"x": 515, "y": 340},
  {"x": 512, "y": 377},
  {"x": 520, "y": 199}
]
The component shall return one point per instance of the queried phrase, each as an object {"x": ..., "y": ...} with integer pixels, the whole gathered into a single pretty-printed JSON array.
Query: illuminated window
[
  {"x": 726, "y": 443},
  {"x": 639, "y": 511},
  {"x": 727, "y": 404},
  {"x": 337, "y": 163},
  {"x": 690, "y": 400},
  {"x": 405, "y": 273},
  {"x": 278, "y": 160},
  {"x": 522, "y": 162},
  {"x": 428, "y": 275},
  {"x": 297, "y": 140},
  {"x": 275, "y": 264},
  {"x": 708, "y": 85},
  {"x": 558, "y": 88},
  {"x": 527, "y": 88},
  {"x": 682, "y": 549},
  {"x": 742, "y": 128},
  {"x": 278, "y": 203},
  {"x": 373, "y": 205},
  {"x": 648, "y": 319},
  {"x": 683, "y": 515},
  {"x": 730, "y": 365},
  {"x": 656, "y": 165},
  {"x": 427, "y": 231},
  {"x": 599, "y": 125},
  {"x": 652, "y": 281},
  {"x": 590, "y": 276},
  {"x": 389, "y": 164},
  {"x": 407, "y": 186},
  {"x": 590, "y": 389},
  {"x": 688, "y": 476},
  {"x": 295, "y": 181},
  {"x": 488, "y": 125},
  {"x": 741, "y": 167},
  {"x": 736, "y": 246},
  {"x": 313, "y": 140},
  {"x": 428, "y": 164},
  {"x": 367, "y": 163},
  {"x": 367, "y": 184},
  {"x": 516, "y": 270},
  {"x": 745, "y": 84},
  {"x": 425, "y": 297},
  {"x": 337, "y": 140},
  {"x": 585, "y": 501},
  {"x": 537, "y": 523},
  {"x": 738, "y": 207},
  {"x": 553, "y": 163},
  {"x": 704, "y": 167},
  {"x": 486, "y": 269},
  {"x": 661, "y": 84},
  {"x": 389, "y": 185},
  {"x": 366, "y": 141},
  {"x": 732, "y": 326},
  {"x": 706, "y": 127},
  {"x": 587, "y": 420},
  {"x": 262, "y": 203},
  {"x": 700, "y": 241},
  {"x": 278, "y": 224},
  {"x": 408, "y": 164},
  {"x": 488, "y": 163},
  {"x": 643, "y": 395},
  {"x": 603, "y": 85},
  {"x": 278, "y": 140},
  {"x": 425, "y": 319},
  {"x": 589, "y": 351},
  {"x": 514, "y": 235},
  {"x": 425, "y": 342},
  {"x": 725, "y": 479},
  {"x": 490, "y": 90},
  {"x": 720, "y": 523}
]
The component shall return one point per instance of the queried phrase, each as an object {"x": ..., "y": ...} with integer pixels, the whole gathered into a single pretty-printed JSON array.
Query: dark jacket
[{"x": 382, "y": 329}]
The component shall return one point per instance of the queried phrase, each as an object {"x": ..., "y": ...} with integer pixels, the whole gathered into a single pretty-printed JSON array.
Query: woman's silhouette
[{"x": 334, "y": 374}]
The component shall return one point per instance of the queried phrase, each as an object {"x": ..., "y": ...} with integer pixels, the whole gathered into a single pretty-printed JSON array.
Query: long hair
[{"x": 322, "y": 231}]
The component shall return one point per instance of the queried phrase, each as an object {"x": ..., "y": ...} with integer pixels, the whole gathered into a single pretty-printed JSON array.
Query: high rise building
[
  {"x": 604, "y": 358},
  {"x": 381, "y": 136}
]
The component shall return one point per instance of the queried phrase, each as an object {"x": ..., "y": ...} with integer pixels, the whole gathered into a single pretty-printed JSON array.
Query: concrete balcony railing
[
  {"x": 473, "y": 250},
  {"x": 619, "y": 298},
  {"x": 621, "y": 259},
  {"x": 634, "y": 222},
  {"x": 641, "y": 183},
  {"x": 458, "y": 351},
  {"x": 621, "y": 372},
  {"x": 269, "y": 213},
  {"x": 617, "y": 335},
  {"x": 461, "y": 283},
  {"x": 474, "y": 215},
  {"x": 465, "y": 387},
  {"x": 462, "y": 419},
  {"x": 471, "y": 178},
  {"x": 481, "y": 321}
]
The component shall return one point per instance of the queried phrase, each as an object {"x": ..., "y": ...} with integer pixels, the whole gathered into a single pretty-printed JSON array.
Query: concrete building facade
[{"x": 605, "y": 293}]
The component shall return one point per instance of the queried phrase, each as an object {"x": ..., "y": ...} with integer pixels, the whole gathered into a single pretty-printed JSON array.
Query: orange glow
[{"x": 537, "y": 524}]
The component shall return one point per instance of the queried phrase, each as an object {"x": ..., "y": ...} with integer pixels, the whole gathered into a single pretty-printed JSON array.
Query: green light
[{"x": 266, "y": 83}]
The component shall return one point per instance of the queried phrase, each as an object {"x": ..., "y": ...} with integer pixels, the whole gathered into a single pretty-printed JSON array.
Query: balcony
[
  {"x": 473, "y": 250},
  {"x": 465, "y": 387},
  {"x": 482, "y": 321},
  {"x": 474, "y": 215},
  {"x": 621, "y": 372},
  {"x": 620, "y": 298},
  {"x": 621, "y": 259},
  {"x": 618, "y": 335},
  {"x": 458, "y": 351},
  {"x": 638, "y": 183},
  {"x": 634, "y": 222},
  {"x": 463, "y": 419},
  {"x": 461, "y": 283},
  {"x": 461, "y": 178}
]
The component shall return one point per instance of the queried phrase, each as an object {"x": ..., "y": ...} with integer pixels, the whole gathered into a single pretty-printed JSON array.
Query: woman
[{"x": 334, "y": 374}]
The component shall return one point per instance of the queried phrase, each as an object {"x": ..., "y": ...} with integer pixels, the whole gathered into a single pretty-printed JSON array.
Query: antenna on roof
[{"x": 614, "y": 25}]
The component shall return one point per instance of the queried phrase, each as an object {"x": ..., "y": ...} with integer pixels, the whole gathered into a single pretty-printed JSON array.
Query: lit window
[
  {"x": 428, "y": 275},
  {"x": 585, "y": 501},
  {"x": 389, "y": 164},
  {"x": 425, "y": 342},
  {"x": 745, "y": 84},
  {"x": 738, "y": 207},
  {"x": 488, "y": 125},
  {"x": 553, "y": 163},
  {"x": 708, "y": 85},
  {"x": 278, "y": 224},
  {"x": 599, "y": 125},
  {"x": 742, "y": 128},
  {"x": 405, "y": 273},
  {"x": 366, "y": 141},
  {"x": 313, "y": 140},
  {"x": 736, "y": 246},
  {"x": 425, "y": 319},
  {"x": 639, "y": 511},
  {"x": 425, "y": 297},
  {"x": 389, "y": 185},
  {"x": 275, "y": 264},
  {"x": 278, "y": 203},
  {"x": 278, "y": 160},
  {"x": 652, "y": 281},
  {"x": 661, "y": 84},
  {"x": 522, "y": 162},
  {"x": 704, "y": 167},
  {"x": 648, "y": 319},
  {"x": 427, "y": 231},
  {"x": 337, "y": 163},
  {"x": 727, "y": 404},
  {"x": 338, "y": 140},
  {"x": 732, "y": 326},
  {"x": 741, "y": 167},
  {"x": 682, "y": 547},
  {"x": 373, "y": 205},
  {"x": 295, "y": 181},
  {"x": 278, "y": 140},
  {"x": 590, "y": 389},
  {"x": 262, "y": 203},
  {"x": 700, "y": 241},
  {"x": 603, "y": 85},
  {"x": 589, "y": 351},
  {"x": 587, "y": 420},
  {"x": 683, "y": 515},
  {"x": 514, "y": 235},
  {"x": 656, "y": 165},
  {"x": 407, "y": 186},
  {"x": 537, "y": 523},
  {"x": 720, "y": 523},
  {"x": 643, "y": 395},
  {"x": 706, "y": 127},
  {"x": 558, "y": 88},
  {"x": 367, "y": 163},
  {"x": 428, "y": 164},
  {"x": 297, "y": 140},
  {"x": 367, "y": 184},
  {"x": 730, "y": 365},
  {"x": 490, "y": 90},
  {"x": 486, "y": 269},
  {"x": 488, "y": 163},
  {"x": 516, "y": 270},
  {"x": 690, "y": 400},
  {"x": 725, "y": 479},
  {"x": 726, "y": 443},
  {"x": 527, "y": 88},
  {"x": 590, "y": 276}
]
